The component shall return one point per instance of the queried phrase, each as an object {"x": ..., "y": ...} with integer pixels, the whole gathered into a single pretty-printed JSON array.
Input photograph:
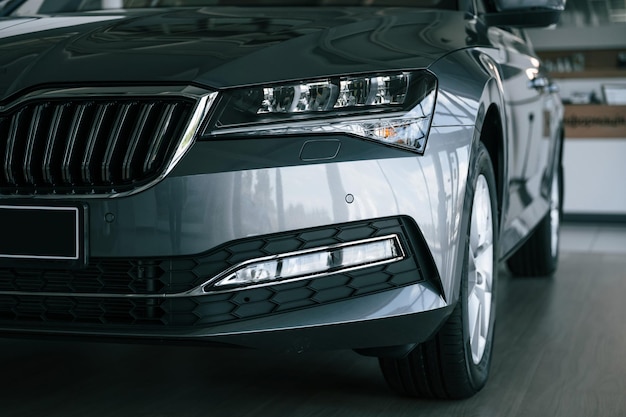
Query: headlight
[{"x": 394, "y": 108}]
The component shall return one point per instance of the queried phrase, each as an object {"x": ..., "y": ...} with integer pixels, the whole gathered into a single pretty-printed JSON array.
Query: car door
[{"x": 530, "y": 127}]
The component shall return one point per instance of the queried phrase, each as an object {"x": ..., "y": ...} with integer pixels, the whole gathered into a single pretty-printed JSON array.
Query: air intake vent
[{"x": 89, "y": 146}]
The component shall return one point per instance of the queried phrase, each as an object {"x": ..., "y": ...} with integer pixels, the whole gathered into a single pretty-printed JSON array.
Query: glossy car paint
[{"x": 225, "y": 189}]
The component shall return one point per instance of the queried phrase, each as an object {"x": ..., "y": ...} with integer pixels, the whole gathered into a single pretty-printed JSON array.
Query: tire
[
  {"x": 539, "y": 255},
  {"x": 454, "y": 364}
]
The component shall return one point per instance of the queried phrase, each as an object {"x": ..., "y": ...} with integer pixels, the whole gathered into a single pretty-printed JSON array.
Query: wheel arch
[
  {"x": 493, "y": 137},
  {"x": 470, "y": 93},
  {"x": 491, "y": 131},
  {"x": 483, "y": 87}
]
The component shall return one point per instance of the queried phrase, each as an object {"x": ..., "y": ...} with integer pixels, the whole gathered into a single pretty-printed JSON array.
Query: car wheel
[
  {"x": 539, "y": 255},
  {"x": 454, "y": 364}
]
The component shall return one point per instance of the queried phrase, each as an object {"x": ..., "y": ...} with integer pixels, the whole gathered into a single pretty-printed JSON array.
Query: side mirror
[{"x": 525, "y": 13}]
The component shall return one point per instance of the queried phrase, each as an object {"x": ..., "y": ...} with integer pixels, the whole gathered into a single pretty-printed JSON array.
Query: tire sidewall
[{"x": 478, "y": 373}]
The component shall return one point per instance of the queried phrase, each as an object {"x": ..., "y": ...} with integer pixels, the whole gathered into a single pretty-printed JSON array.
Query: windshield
[{"x": 39, "y": 7}]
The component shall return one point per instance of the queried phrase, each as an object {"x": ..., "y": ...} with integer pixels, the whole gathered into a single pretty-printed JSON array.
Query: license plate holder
[{"x": 43, "y": 235}]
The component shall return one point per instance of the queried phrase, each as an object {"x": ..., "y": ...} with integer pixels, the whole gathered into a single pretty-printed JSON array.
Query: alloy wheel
[
  {"x": 555, "y": 215},
  {"x": 480, "y": 269}
]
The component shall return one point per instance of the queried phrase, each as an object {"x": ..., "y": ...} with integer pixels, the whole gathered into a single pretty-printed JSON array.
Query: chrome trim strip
[
  {"x": 189, "y": 92},
  {"x": 90, "y": 295},
  {"x": 199, "y": 114},
  {"x": 200, "y": 291}
]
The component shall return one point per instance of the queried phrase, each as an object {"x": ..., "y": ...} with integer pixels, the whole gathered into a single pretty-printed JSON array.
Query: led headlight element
[
  {"x": 393, "y": 108},
  {"x": 373, "y": 91},
  {"x": 298, "y": 98},
  {"x": 333, "y": 94},
  {"x": 310, "y": 263}
]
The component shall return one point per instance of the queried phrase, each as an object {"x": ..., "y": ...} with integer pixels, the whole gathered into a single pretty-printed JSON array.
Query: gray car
[{"x": 285, "y": 175}]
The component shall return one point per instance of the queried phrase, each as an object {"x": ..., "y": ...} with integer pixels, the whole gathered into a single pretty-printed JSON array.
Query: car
[{"x": 278, "y": 175}]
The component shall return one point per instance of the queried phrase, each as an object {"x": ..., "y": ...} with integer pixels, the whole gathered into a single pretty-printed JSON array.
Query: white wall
[
  {"x": 578, "y": 38},
  {"x": 595, "y": 168},
  {"x": 595, "y": 176}
]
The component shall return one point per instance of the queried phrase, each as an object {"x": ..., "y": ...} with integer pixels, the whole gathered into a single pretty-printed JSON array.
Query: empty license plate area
[{"x": 35, "y": 235}]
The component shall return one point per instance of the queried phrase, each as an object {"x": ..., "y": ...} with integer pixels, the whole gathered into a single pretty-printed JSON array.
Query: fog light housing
[{"x": 310, "y": 263}]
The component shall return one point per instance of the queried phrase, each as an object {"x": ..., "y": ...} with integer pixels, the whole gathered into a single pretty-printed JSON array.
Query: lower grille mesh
[{"x": 19, "y": 302}]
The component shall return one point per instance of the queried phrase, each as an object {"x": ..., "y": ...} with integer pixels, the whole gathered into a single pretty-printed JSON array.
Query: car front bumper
[{"x": 150, "y": 251}]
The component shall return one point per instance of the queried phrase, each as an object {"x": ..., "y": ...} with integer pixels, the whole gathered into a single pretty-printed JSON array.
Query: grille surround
[{"x": 96, "y": 141}]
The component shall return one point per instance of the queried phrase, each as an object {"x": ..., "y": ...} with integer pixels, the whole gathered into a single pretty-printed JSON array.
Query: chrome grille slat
[
  {"x": 11, "y": 148},
  {"x": 51, "y": 143},
  {"x": 136, "y": 136},
  {"x": 96, "y": 145},
  {"x": 164, "y": 124},
  {"x": 66, "y": 165},
  {"x": 114, "y": 142},
  {"x": 27, "y": 164},
  {"x": 88, "y": 155}
]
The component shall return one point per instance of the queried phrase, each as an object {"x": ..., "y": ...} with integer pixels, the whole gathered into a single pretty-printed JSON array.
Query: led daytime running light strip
[{"x": 310, "y": 263}]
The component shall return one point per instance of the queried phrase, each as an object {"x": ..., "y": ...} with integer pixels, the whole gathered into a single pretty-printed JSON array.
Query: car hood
[{"x": 219, "y": 47}]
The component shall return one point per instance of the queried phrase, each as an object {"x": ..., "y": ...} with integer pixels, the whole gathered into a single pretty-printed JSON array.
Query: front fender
[{"x": 471, "y": 96}]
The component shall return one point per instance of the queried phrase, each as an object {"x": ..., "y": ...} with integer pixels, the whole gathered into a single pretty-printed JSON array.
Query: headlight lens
[{"x": 394, "y": 108}]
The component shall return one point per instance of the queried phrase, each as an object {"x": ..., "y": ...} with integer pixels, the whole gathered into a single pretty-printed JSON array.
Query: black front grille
[
  {"x": 19, "y": 301},
  {"x": 88, "y": 146}
]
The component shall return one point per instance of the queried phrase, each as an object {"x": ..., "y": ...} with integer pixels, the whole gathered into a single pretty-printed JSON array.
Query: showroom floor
[{"x": 560, "y": 351}]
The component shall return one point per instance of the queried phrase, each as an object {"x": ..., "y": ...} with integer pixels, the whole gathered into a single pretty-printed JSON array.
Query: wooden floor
[{"x": 560, "y": 351}]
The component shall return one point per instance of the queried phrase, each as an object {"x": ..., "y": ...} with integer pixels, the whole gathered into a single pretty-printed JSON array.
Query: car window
[{"x": 33, "y": 7}]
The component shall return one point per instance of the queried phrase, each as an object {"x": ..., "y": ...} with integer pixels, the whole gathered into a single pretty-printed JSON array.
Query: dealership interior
[{"x": 560, "y": 341}]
